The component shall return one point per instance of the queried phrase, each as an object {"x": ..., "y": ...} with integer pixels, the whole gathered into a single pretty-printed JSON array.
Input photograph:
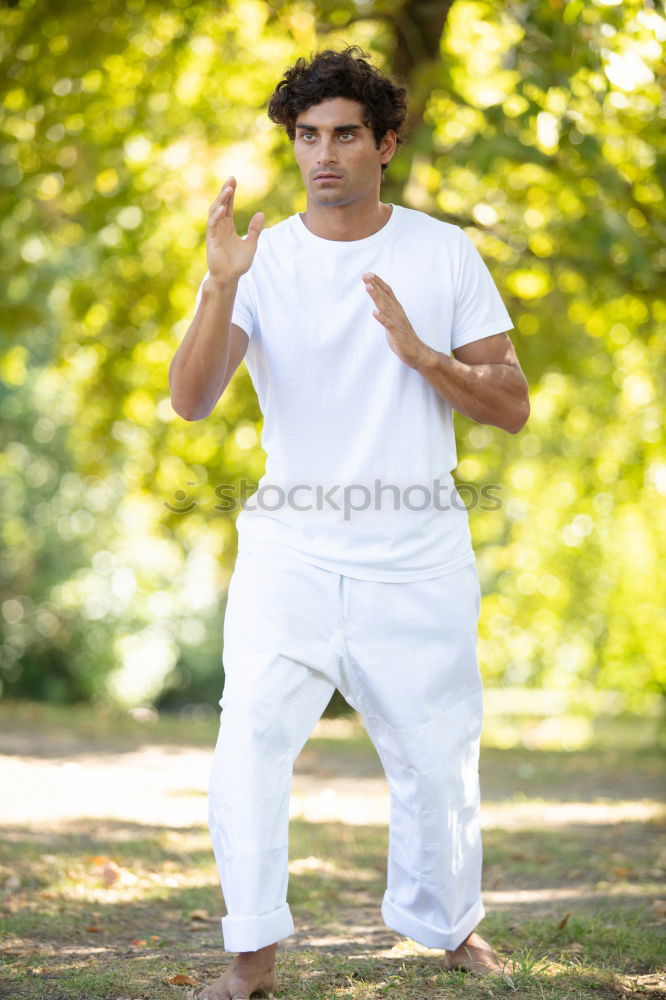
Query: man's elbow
[
  {"x": 188, "y": 412},
  {"x": 522, "y": 419}
]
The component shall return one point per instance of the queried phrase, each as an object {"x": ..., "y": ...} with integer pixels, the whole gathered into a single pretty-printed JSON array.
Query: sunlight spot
[
  {"x": 539, "y": 814},
  {"x": 485, "y": 214},
  {"x": 627, "y": 70},
  {"x": 137, "y": 149},
  {"x": 548, "y": 131},
  {"x": 553, "y": 894}
]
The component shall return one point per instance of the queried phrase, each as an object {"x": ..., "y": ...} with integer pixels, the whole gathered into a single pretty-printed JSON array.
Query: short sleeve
[
  {"x": 478, "y": 308},
  {"x": 243, "y": 311}
]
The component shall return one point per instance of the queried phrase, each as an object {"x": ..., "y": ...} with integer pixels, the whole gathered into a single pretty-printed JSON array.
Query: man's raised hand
[
  {"x": 229, "y": 255},
  {"x": 400, "y": 333}
]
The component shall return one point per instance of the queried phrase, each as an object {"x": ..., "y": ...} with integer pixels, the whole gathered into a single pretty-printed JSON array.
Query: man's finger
[
  {"x": 222, "y": 194},
  {"x": 374, "y": 295},
  {"x": 216, "y": 202},
  {"x": 219, "y": 209},
  {"x": 374, "y": 281},
  {"x": 228, "y": 201},
  {"x": 382, "y": 284},
  {"x": 223, "y": 210},
  {"x": 381, "y": 292}
]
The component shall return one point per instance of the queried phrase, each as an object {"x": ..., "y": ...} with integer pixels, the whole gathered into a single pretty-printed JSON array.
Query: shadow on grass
[
  {"x": 568, "y": 856},
  {"x": 574, "y": 904},
  {"x": 335, "y": 891}
]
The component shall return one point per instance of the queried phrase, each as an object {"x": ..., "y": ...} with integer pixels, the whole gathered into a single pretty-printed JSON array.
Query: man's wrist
[
  {"x": 220, "y": 286},
  {"x": 429, "y": 360}
]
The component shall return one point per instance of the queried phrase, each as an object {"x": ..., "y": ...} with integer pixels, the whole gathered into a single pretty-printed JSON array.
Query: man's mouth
[{"x": 327, "y": 177}]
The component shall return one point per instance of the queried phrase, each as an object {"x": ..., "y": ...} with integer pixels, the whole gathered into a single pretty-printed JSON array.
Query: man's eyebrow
[{"x": 338, "y": 128}]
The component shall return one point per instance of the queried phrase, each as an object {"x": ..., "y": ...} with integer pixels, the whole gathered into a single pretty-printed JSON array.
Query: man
[{"x": 355, "y": 567}]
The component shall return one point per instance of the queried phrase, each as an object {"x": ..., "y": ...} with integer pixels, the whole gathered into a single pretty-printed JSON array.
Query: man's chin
[{"x": 329, "y": 198}]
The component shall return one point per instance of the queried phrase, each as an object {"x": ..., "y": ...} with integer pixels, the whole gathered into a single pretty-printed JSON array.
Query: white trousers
[{"x": 404, "y": 656}]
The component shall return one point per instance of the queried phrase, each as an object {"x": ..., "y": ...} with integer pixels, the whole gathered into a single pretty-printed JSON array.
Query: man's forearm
[
  {"x": 494, "y": 394},
  {"x": 199, "y": 367}
]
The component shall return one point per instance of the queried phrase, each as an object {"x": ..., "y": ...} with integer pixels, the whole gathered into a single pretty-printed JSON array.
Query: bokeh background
[{"x": 535, "y": 125}]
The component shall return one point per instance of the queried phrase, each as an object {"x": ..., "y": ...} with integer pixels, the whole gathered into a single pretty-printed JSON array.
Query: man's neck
[{"x": 345, "y": 222}]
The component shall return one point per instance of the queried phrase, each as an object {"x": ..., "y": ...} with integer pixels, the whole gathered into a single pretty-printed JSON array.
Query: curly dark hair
[{"x": 344, "y": 73}]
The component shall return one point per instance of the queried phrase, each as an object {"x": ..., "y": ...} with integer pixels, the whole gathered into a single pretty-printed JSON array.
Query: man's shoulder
[{"x": 430, "y": 224}]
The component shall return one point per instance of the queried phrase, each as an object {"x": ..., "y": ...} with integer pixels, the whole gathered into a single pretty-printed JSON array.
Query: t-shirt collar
[{"x": 309, "y": 237}]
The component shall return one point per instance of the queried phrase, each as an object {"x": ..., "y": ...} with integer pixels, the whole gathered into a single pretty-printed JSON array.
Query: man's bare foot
[
  {"x": 250, "y": 972},
  {"x": 474, "y": 955}
]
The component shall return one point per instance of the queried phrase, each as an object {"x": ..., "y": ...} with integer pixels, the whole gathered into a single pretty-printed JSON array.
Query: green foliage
[{"x": 540, "y": 134}]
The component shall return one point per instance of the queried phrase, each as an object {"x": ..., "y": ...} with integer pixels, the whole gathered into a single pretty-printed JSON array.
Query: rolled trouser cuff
[
  {"x": 251, "y": 933},
  {"x": 431, "y": 937}
]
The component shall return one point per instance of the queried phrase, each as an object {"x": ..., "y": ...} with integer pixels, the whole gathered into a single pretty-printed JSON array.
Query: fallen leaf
[
  {"x": 200, "y": 915},
  {"x": 621, "y": 872},
  {"x": 139, "y": 942},
  {"x": 94, "y": 928},
  {"x": 181, "y": 980},
  {"x": 563, "y": 920},
  {"x": 576, "y": 946},
  {"x": 154, "y": 937}
]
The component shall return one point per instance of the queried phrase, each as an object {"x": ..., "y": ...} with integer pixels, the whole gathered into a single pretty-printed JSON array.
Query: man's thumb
[{"x": 255, "y": 227}]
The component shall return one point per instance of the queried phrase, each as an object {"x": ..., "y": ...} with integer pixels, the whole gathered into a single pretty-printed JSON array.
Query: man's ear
[{"x": 388, "y": 142}]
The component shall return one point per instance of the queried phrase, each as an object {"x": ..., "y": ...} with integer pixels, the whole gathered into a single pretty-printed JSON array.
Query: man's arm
[
  {"x": 213, "y": 347},
  {"x": 210, "y": 353},
  {"x": 484, "y": 381}
]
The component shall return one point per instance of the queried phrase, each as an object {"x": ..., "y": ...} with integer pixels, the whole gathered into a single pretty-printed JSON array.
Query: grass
[{"x": 111, "y": 909}]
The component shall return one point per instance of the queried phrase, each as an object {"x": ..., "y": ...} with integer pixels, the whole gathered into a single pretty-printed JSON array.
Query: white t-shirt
[{"x": 347, "y": 424}]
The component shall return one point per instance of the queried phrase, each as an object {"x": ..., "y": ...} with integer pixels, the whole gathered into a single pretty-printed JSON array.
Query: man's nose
[{"x": 326, "y": 151}]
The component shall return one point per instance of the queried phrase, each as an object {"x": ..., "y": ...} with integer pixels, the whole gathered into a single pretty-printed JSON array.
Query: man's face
[{"x": 331, "y": 138}]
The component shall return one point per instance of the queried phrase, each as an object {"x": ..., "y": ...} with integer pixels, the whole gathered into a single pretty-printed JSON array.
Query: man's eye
[{"x": 345, "y": 133}]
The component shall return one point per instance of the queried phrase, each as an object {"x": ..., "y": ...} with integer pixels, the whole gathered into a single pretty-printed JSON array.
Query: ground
[{"x": 108, "y": 887}]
